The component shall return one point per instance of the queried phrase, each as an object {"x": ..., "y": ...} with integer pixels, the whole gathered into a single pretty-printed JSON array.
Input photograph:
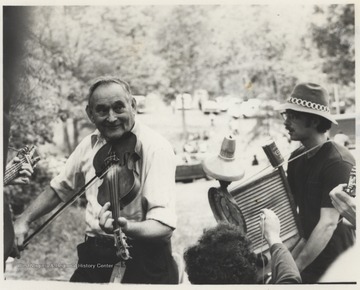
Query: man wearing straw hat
[{"x": 318, "y": 166}]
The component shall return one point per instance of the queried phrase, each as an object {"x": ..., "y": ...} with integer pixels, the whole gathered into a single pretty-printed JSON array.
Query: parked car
[
  {"x": 141, "y": 103},
  {"x": 190, "y": 169},
  {"x": 210, "y": 107},
  {"x": 223, "y": 103},
  {"x": 247, "y": 109},
  {"x": 235, "y": 111}
]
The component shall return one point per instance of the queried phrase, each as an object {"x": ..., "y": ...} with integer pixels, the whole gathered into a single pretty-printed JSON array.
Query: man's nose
[
  {"x": 286, "y": 121},
  {"x": 112, "y": 117}
]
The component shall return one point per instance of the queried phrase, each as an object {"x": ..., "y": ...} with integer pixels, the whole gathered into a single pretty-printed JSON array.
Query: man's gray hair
[{"x": 103, "y": 80}]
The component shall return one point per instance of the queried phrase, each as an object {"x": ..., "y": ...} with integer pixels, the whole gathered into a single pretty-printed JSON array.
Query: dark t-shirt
[{"x": 311, "y": 180}]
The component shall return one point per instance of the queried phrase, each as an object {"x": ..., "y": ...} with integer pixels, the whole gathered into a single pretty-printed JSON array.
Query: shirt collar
[
  {"x": 96, "y": 137},
  {"x": 136, "y": 131}
]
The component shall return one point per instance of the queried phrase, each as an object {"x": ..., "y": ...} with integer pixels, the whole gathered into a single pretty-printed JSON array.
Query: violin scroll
[{"x": 121, "y": 245}]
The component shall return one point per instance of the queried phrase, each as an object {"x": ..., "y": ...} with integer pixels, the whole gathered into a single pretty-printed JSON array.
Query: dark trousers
[{"x": 150, "y": 263}]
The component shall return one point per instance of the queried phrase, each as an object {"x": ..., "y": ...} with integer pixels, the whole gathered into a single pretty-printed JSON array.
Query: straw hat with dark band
[
  {"x": 309, "y": 98},
  {"x": 224, "y": 166}
]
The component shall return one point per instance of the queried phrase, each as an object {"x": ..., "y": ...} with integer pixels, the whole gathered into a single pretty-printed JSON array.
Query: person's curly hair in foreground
[{"x": 221, "y": 256}]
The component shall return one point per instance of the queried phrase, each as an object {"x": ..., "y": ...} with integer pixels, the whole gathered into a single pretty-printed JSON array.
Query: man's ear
[
  {"x": 89, "y": 113},
  {"x": 133, "y": 105},
  {"x": 315, "y": 122}
]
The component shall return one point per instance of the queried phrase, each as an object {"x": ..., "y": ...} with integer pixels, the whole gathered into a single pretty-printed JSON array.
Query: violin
[
  {"x": 116, "y": 161},
  {"x": 121, "y": 183}
]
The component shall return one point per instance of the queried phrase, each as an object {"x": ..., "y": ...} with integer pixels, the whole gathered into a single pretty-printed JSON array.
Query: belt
[{"x": 100, "y": 241}]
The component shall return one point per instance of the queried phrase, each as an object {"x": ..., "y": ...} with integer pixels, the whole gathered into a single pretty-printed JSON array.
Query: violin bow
[{"x": 62, "y": 208}]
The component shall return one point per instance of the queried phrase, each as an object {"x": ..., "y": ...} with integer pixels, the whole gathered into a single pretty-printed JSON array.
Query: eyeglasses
[{"x": 289, "y": 116}]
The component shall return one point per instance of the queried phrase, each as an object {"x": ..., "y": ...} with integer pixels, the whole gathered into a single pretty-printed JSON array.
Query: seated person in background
[{"x": 223, "y": 255}]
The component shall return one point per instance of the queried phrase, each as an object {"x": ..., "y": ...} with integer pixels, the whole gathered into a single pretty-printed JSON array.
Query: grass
[
  {"x": 55, "y": 247},
  {"x": 51, "y": 253}
]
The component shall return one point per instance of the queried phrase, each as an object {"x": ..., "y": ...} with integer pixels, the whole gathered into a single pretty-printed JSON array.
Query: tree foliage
[
  {"x": 240, "y": 50},
  {"x": 334, "y": 37},
  {"x": 245, "y": 51}
]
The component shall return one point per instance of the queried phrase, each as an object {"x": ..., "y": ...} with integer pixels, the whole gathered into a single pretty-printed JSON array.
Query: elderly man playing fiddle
[{"x": 148, "y": 220}]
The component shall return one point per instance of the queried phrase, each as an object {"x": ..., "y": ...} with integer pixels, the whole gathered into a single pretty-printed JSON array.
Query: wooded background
[
  {"x": 51, "y": 54},
  {"x": 244, "y": 50}
]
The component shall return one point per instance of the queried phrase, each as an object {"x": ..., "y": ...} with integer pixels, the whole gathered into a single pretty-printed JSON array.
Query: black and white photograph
[{"x": 179, "y": 144}]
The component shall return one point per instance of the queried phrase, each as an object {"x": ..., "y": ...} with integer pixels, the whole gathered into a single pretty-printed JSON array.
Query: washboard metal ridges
[{"x": 242, "y": 202}]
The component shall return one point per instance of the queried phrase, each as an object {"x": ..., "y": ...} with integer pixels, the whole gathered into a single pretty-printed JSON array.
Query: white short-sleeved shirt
[{"x": 156, "y": 168}]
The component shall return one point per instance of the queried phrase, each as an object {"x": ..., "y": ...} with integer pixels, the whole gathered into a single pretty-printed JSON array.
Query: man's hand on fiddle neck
[
  {"x": 147, "y": 229},
  {"x": 106, "y": 221}
]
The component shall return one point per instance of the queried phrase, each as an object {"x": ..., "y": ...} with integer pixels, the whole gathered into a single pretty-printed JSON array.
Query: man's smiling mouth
[{"x": 113, "y": 126}]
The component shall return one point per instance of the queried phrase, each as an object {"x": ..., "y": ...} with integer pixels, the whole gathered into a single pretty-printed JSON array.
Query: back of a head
[{"x": 221, "y": 256}]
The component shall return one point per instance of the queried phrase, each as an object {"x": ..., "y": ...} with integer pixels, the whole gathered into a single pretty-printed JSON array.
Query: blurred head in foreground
[{"x": 222, "y": 255}]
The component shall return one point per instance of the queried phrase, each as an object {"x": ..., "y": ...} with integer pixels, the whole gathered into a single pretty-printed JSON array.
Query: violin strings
[
  {"x": 17, "y": 164},
  {"x": 12, "y": 171},
  {"x": 114, "y": 186},
  {"x": 11, "y": 174}
]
